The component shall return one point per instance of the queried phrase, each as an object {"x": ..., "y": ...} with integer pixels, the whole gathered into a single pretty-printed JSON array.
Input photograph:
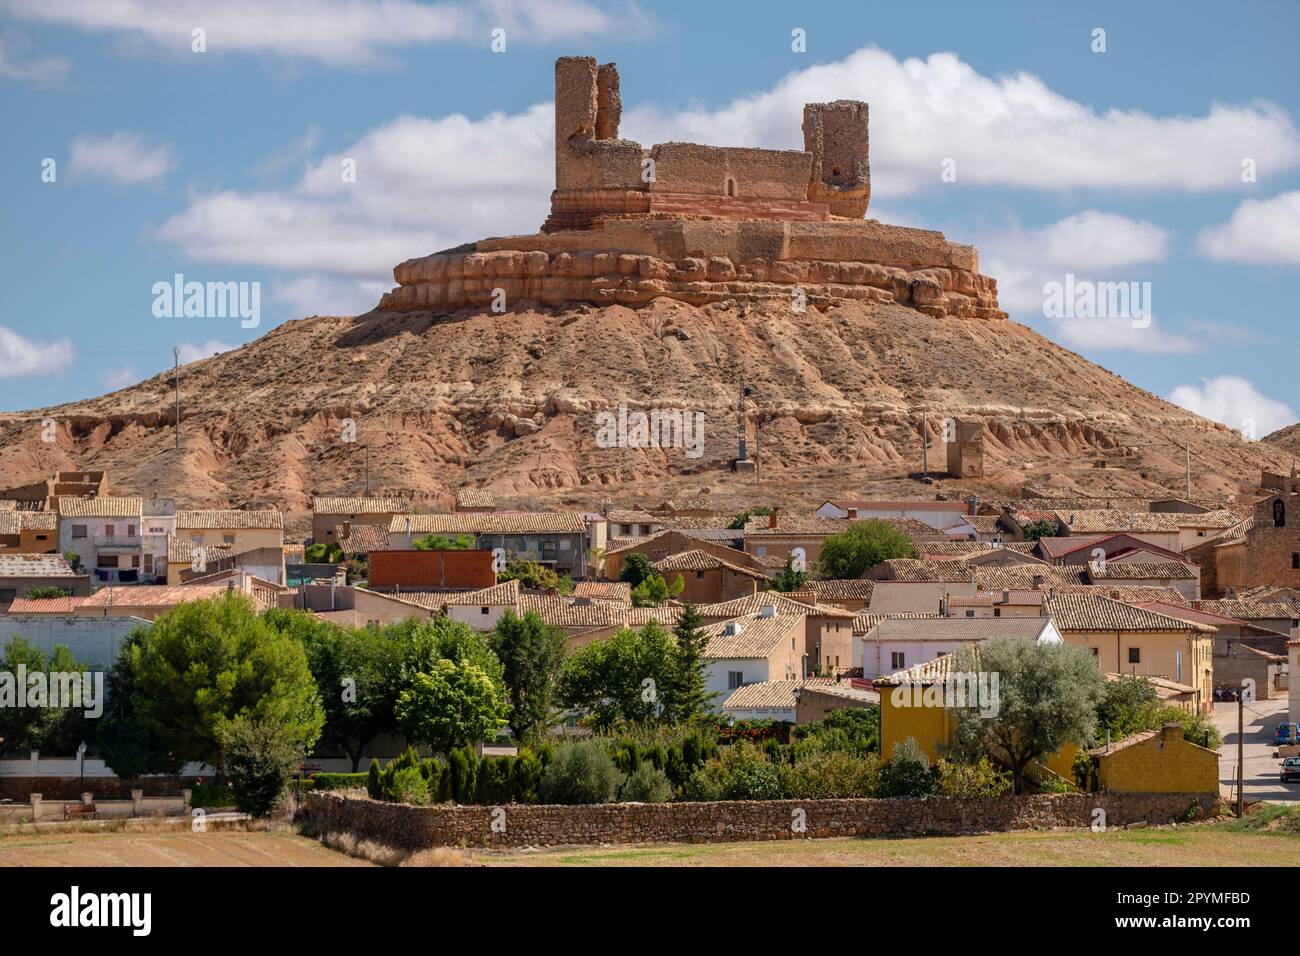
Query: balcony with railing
[{"x": 110, "y": 542}]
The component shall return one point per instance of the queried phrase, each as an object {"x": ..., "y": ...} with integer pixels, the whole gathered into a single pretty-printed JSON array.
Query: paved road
[{"x": 1261, "y": 767}]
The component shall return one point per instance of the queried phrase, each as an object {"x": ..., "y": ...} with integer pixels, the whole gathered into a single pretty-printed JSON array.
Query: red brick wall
[{"x": 432, "y": 569}]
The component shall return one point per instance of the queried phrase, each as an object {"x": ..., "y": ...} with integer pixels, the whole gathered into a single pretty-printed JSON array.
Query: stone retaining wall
[{"x": 414, "y": 828}]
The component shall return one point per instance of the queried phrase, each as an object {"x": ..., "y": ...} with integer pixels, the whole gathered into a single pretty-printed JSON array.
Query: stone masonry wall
[{"x": 414, "y": 828}]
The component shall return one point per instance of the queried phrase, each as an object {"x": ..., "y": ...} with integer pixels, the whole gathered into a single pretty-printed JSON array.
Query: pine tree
[{"x": 688, "y": 696}]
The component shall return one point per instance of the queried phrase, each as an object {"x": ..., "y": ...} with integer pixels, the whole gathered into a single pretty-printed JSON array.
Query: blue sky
[{"x": 1122, "y": 165}]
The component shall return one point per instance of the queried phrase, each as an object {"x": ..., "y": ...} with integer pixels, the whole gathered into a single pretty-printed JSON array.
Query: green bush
[
  {"x": 259, "y": 759},
  {"x": 856, "y": 730},
  {"x": 581, "y": 772},
  {"x": 212, "y": 795},
  {"x": 495, "y": 785},
  {"x": 982, "y": 778},
  {"x": 833, "y": 774},
  {"x": 409, "y": 786},
  {"x": 526, "y": 777},
  {"x": 338, "y": 781},
  {"x": 375, "y": 780},
  {"x": 907, "y": 773},
  {"x": 741, "y": 773},
  {"x": 646, "y": 784},
  {"x": 462, "y": 763}
]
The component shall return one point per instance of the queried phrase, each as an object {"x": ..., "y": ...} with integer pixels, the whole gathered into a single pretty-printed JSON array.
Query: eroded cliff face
[{"x": 437, "y": 400}]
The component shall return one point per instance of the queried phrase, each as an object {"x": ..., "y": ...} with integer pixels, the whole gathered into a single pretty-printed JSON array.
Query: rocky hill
[{"x": 509, "y": 402}]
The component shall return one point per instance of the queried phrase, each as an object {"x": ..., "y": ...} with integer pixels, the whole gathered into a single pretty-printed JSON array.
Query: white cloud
[
  {"x": 21, "y": 356},
  {"x": 1260, "y": 231},
  {"x": 1001, "y": 131},
  {"x": 40, "y": 71},
  {"x": 123, "y": 159},
  {"x": 295, "y": 154},
  {"x": 1121, "y": 335},
  {"x": 193, "y": 351},
  {"x": 1236, "y": 403},
  {"x": 320, "y": 295},
  {"x": 116, "y": 378},
  {"x": 340, "y": 32}
]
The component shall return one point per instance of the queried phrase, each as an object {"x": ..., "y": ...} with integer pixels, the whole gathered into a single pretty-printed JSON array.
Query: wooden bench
[{"x": 73, "y": 810}]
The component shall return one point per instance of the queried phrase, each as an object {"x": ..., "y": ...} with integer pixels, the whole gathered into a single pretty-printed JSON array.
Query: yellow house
[
  {"x": 1158, "y": 761},
  {"x": 242, "y": 532},
  {"x": 1133, "y": 640},
  {"x": 29, "y": 532}
]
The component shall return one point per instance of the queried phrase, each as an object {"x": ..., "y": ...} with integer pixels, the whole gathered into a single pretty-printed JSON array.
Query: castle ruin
[{"x": 701, "y": 224}]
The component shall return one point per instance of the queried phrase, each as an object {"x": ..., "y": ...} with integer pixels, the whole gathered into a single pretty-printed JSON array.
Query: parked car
[
  {"x": 1286, "y": 734},
  {"x": 1290, "y": 769}
]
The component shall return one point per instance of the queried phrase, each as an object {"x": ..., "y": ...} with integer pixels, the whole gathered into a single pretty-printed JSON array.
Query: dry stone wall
[{"x": 414, "y": 828}]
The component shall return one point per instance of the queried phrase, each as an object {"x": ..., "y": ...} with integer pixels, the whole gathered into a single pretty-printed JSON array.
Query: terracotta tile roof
[
  {"x": 561, "y": 611},
  {"x": 57, "y": 605},
  {"x": 795, "y": 524},
  {"x": 183, "y": 551},
  {"x": 912, "y": 505},
  {"x": 1141, "y": 571},
  {"x": 1095, "y": 522},
  {"x": 1053, "y": 547},
  {"x": 359, "y": 506},
  {"x": 34, "y": 566},
  {"x": 866, "y": 620},
  {"x": 8, "y": 504},
  {"x": 1211, "y": 519},
  {"x": 710, "y": 522},
  {"x": 228, "y": 519},
  {"x": 505, "y": 594},
  {"x": 491, "y": 522},
  {"x": 617, "y": 545},
  {"x": 431, "y": 600},
  {"x": 641, "y": 616},
  {"x": 916, "y": 571},
  {"x": 753, "y": 603},
  {"x": 840, "y": 589},
  {"x": 361, "y": 538},
  {"x": 780, "y": 694},
  {"x": 1134, "y": 740},
  {"x": 1128, "y": 593},
  {"x": 1251, "y": 610},
  {"x": 475, "y": 498},
  {"x": 106, "y": 507},
  {"x": 1082, "y": 612},
  {"x": 697, "y": 560},
  {"x": 1185, "y": 613},
  {"x": 16, "y": 522},
  {"x": 925, "y": 673},
  {"x": 619, "y": 592},
  {"x": 153, "y": 595},
  {"x": 631, "y": 517},
  {"x": 984, "y": 524},
  {"x": 757, "y": 638},
  {"x": 1020, "y": 577},
  {"x": 954, "y": 629},
  {"x": 1165, "y": 688},
  {"x": 954, "y": 548}
]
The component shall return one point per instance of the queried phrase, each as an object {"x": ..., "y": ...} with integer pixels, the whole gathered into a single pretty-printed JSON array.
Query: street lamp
[{"x": 81, "y": 765}]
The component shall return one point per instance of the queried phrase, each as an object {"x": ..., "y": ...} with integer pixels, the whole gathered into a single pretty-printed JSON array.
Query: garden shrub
[
  {"x": 375, "y": 780},
  {"x": 581, "y": 772},
  {"x": 462, "y": 762},
  {"x": 409, "y": 786},
  {"x": 646, "y": 784},
  {"x": 526, "y": 777},
  {"x": 907, "y": 773},
  {"x": 338, "y": 781},
  {"x": 983, "y": 778},
  {"x": 835, "y": 774},
  {"x": 741, "y": 773},
  {"x": 495, "y": 785},
  {"x": 259, "y": 759}
]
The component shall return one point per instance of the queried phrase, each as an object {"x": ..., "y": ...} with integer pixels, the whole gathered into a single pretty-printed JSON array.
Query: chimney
[
  {"x": 732, "y": 628},
  {"x": 1038, "y": 582},
  {"x": 974, "y": 505},
  {"x": 767, "y": 611},
  {"x": 771, "y": 519},
  {"x": 1230, "y": 594}
]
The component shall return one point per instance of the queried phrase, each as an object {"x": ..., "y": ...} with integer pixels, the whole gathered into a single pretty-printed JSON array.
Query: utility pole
[
  {"x": 1189, "y": 471},
  {"x": 925, "y": 444},
  {"x": 367, "y": 471},
  {"x": 176, "y": 356},
  {"x": 1241, "y": 722}
]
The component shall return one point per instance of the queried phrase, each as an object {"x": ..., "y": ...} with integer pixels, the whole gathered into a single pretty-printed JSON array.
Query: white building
[
  {"x": 105, "y": 533},
  {"x": 895, "y": 644}
]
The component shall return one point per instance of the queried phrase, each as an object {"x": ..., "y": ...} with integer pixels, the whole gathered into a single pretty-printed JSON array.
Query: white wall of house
[
  {"x": 479, "y": 617},
  {"x": 753, "y": 670},
  {"x": 893, "y": 596},
  {"x": 941, "y": 518},
  {"x": 89, "y": 537}
]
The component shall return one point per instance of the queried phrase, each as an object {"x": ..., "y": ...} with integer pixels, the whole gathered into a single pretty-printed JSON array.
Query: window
[
  {"x": 78, "y": 530},
  {"x": 7, "y": 595},
  {"x": 699, "y": 575},
  {"x": 1279, "y": 513},
  {"x": 130, "y": 531},
  {"x": 970, "y": 613},
  {"x": 761, "y": 552},
  {"x": 148, "y": 564},
  {"x": 1096, "y": 652},
  {"x": 485, "y": 610},
  {"x": 897, "y": 660},
  {"x": 997, "y": 612},
  {"x": 227, "y": 539},
  {"x": 108, "y": 530},
  {"x": 1295, "y": 560},
  {"x": 1135, "y": 655},
  {"x": 735, "y": 679},
  {"x": 731, "y": 186}
]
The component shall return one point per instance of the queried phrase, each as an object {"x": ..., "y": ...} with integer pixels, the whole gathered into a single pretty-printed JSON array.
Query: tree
[
  {"x": 624, "y": 677},
  {"x": 1046, "y": 696},
  {"x": 47, "y": 592},
  {"x": 260, "y": 757},
  {"x": 907, "y": 772},
  {"x": 129, "y": 748},
  {"x": 687, "y": 696},
  {"x": 532, "y": 655},
  {"x": 73, "y": 559},
  {"x": 789, "y": 579},
  {"x": 581, "y": 773},
  {"x": 323, "y": 552},
  {"x": 353, "y": 668},
  {"x": 207, "y": 662},
  {"x": 738, "y": 522},
  {"x": 1041, "y": 528},
  {"x": 536, "y": 577},
  {"x": 451, "y": 704},
  {"x": 636, "y": 568},
  {"x": 442, "y": 542},
  {"x": 855, "y": 551},
  {"x": 421, "y": 642},
  {"x": 654, "y": 591},
  {"x": 29, "y": 722}
]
